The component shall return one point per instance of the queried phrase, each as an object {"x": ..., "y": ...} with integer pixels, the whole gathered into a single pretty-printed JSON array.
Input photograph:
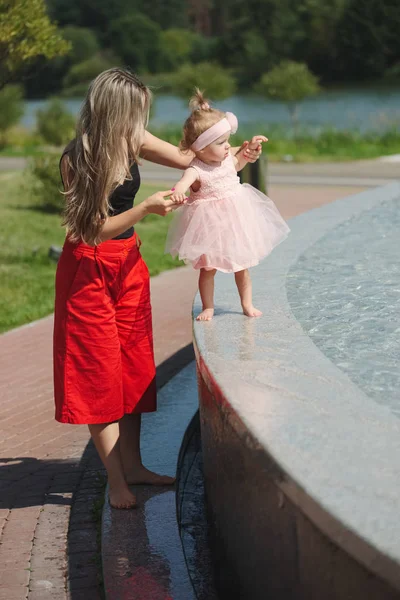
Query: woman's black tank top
[{"x": 122, "y": 197}]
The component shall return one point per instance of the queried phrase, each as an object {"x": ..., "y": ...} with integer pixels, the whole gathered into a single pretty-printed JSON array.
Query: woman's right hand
[{"x": 158, "y": 204}]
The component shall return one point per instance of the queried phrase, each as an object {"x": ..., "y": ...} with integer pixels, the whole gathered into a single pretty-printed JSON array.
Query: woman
[{"x": 104, "y": 371}]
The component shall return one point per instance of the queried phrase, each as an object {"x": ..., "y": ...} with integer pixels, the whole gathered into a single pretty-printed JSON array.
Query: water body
[
  {"x": 363, "y": 109},
  {"x": 345, "y": 292}
]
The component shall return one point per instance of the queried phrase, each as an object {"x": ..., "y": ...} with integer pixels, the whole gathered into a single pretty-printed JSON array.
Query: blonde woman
[{"x": 104, "y": 371}]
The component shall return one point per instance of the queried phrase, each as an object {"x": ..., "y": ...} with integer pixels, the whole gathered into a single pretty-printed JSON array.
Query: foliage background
[{"x": 339, "y": 40}]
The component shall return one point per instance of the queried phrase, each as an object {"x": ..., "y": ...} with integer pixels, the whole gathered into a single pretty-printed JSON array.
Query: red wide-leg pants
[{"x": 103, "y": 340}]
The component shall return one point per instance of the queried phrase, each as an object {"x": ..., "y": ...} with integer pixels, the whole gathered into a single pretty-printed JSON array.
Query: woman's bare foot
[
  {"x": 250, "y": 311},
  {"x": 121, "y": 498},
  {"x": 143, "y": 476},
  {"x": 205, "y": 315}
]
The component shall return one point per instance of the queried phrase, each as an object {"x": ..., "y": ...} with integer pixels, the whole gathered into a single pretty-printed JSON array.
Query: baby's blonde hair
[{"x": 201, "y": 119}]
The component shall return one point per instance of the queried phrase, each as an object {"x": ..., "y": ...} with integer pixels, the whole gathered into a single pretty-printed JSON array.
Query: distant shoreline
[{"x": 365, "y": 109}]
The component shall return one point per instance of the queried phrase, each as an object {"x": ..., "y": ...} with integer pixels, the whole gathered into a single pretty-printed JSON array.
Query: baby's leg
[
  {"x": 206, "y": 289},
  {"x": 243, "y": 282}
]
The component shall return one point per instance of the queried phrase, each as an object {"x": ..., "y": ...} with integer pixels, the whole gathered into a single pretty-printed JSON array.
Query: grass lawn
[{"x": 26, "y": 233}]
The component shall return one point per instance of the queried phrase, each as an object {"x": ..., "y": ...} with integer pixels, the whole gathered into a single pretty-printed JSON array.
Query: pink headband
[{"x": 228, "y": 123}]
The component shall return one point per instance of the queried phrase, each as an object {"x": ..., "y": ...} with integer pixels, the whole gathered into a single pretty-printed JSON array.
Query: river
[{"x": 367, "y": 109}]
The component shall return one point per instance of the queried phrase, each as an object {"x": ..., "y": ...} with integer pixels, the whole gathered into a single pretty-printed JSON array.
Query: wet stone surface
[
  {"x": 345, "y": 292},
  {"x": 141, "y": 549},
  {"x": 192, "y": 518}
]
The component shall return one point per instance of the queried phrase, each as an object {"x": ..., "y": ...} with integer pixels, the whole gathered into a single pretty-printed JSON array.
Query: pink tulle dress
[{"x": 225, "y": 225}]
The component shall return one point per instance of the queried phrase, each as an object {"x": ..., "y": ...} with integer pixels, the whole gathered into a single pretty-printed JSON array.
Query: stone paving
[{"x": 50, "y": 478}]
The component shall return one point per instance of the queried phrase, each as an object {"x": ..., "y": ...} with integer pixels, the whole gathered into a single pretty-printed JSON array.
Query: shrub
[
  {"x": 176, "y": 47},
  {"x": 84, "y": 72},
  {"x": 45, "y": 184},
  {"x": 217, "y": 82},
  {"x": 83, "y": 41},
  {"x": 11, "y": 109},
  {"x": 55, "y": 124}
]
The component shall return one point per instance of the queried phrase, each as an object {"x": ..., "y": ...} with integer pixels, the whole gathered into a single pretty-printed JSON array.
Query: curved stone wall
[{"x": 301, "y": 462}]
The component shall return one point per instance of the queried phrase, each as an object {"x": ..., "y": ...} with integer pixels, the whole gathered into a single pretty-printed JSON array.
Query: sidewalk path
[
  {"x": 48, "y": 476},
  {"x": 47, "y": 480},
  {"x": 362, "y": 173},
  {"x": 366, "y": 173}
]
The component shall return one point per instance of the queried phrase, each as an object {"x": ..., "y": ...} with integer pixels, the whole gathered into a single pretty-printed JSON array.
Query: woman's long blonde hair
[{"x": 109, "y": 136}]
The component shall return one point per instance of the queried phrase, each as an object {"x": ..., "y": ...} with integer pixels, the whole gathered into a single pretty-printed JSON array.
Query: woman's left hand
[{"x": 250, "y": 154}]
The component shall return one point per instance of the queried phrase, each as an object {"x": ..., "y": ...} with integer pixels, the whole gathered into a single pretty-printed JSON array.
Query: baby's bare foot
[
  {"x": 206, "y": 315},
  {"x": 250, "y": 311},
  {"x": 121, "y": 498},
  {"x": 143, "y": 476}
]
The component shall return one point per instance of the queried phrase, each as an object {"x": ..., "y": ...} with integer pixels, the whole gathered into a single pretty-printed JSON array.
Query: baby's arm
[
  {"x": 180, "y": 188},
  {"x": 240, "y": 159}
]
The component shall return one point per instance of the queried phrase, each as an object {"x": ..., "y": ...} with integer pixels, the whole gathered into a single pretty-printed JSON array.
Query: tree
[
  {"x": 176, "y": 47},
  {"x": 11, "y": 109},
  {"x": 323, "y": 28},
  {"x": 173, "y": 13},
  {"x": 48, "y": 79},
  {"x": 291, "y": 82},
  {"x": 26, "y": 32},
  {"x": 216, "y": 81},
  {"x": 65, "y": 13},
  {"x": 136, "y": 39},
  {"x": 83, "y": 42},
  {"x": 200, "y": 14},
  {"x": 257, "y": 34},
  {"x": 369, "y": 41}
]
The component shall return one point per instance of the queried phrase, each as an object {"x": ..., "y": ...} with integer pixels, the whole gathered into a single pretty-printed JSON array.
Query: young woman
[{"x": 104, "y": 371}]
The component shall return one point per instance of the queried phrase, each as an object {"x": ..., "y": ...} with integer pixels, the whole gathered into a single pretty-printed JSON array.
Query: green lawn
[
  {"x": 328, "y": 144},
  {"x": 26, "y": 272}
]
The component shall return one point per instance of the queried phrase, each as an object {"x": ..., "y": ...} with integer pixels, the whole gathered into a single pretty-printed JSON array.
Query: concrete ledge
[
  {"x": 191, "y": 512},
  {"x": 301, "y": 466}
]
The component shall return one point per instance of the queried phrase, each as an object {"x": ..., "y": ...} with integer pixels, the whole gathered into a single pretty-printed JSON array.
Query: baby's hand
[
  {"x": 178, "y": 197},
  {"x": 256, "y": 141}
]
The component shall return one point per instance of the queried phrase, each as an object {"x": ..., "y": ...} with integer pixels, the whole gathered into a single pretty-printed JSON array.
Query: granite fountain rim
[{"x": 303, "y": 391}]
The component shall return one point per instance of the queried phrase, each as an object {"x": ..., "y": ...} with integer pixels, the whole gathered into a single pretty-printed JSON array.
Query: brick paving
[{"x": 50, "y": 477}]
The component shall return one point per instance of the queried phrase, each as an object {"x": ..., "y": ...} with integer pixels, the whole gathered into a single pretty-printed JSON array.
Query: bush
[
  {"x": 55, "y": 124},
  {"x": 84, "y": 72},
  {"x": 18, "y": 140},
  {"x": 217, "y": 82},
  {"x": 83, "y": 41},
  {"x": 159, "y": 82},
  {"x": 176, "y": 47},
  {"x": 203, "y": 48},
  {"x": 11, "y": 109},
  {"x": 46, "y": 185},
  {"x": 393, "y": 73}
]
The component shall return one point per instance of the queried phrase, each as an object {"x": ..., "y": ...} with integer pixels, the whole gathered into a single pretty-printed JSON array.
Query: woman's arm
[
  {"x": 164, "y": 153},
  {"x": 113, "y": 226},
  {"x": 156, "y": 204}
]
